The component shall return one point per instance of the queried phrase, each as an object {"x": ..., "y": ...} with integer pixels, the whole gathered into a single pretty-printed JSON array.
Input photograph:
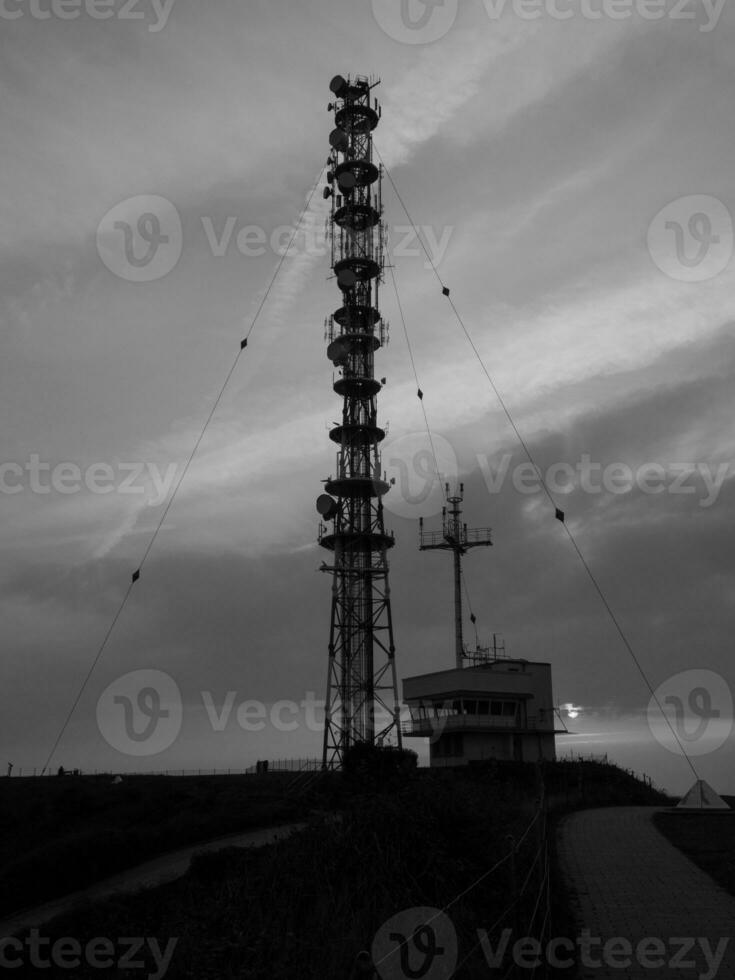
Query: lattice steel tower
[{"x": 362, "y": 698}]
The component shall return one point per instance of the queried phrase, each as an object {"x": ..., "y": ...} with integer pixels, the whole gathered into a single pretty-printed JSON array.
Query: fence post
[
  {"x": 541, "y": 841},
  {"x": 513, "y": 889},
  {"x": 363, "y": 967}
]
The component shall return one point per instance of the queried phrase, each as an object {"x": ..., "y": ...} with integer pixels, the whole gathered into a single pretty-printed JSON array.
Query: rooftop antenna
[{"x": 457, "y": 538}]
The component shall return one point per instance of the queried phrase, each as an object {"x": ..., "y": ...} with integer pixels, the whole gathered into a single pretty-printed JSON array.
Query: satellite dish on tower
[
  {"x": 338, "y": 350},
  {"x": 346, "y": 279},
  {"x": 326, "y": 506},
  {"x": 338, "y": 85},
  {"x": 339, "y": 140},
  {"x": 346, "y": 181}
]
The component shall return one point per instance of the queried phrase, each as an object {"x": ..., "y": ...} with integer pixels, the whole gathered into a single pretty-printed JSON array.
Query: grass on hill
[
  {"x": 58, "y": 835},
  {"x": 305, "y": 907}
]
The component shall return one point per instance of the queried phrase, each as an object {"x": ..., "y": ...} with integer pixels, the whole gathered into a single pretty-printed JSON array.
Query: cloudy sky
[{"x": 570, "y": 166}]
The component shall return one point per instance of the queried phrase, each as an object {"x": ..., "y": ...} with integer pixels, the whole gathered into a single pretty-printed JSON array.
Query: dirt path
[{"x": 159, "y": 871}]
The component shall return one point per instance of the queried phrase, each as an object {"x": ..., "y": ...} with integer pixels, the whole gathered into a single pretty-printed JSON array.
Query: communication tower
[{"x": 362, "y": 697}]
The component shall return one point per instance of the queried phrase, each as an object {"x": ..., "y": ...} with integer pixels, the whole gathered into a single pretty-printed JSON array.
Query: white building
[{"x": 496, "y": 709}]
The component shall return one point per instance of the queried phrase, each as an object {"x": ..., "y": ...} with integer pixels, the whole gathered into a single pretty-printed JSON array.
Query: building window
[{"x": 449, "y": 746}]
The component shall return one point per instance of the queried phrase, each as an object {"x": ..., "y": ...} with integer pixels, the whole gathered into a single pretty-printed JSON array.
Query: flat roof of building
[{"x": 490, "y": 665}]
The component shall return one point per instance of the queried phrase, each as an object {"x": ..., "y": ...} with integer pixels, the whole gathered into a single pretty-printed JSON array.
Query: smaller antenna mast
[{"x": 457, "y": 538}]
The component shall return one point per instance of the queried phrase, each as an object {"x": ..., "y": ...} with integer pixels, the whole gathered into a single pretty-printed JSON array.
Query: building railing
[
  {"x": 488, "y": 723},
  {"x": 294, "y": 765},
  {"x": 473, "y": 535},
  {"x": 275, "y": 765}
]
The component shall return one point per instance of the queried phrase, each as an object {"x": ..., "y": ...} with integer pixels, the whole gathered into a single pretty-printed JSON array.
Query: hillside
[{"x": 307, "y": 906}]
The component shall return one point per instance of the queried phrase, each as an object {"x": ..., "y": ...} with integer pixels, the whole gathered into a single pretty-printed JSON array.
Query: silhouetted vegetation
[
  {"x": 58, "y": 835},
  {"x": 306, "y": 906},
  {"x": 379, "y": 767}
]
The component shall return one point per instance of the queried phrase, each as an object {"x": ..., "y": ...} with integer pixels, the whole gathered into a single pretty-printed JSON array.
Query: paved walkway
[
  {"x": 161, "y": 870},
  {"x": 628, "y": 881}
]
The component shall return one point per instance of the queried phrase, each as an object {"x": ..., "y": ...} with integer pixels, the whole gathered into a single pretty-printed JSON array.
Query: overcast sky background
[{"x": 542, "y": 150}]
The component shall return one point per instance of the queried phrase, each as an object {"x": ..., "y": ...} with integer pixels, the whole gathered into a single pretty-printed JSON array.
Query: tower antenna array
[{"x": 362, "y": 698}]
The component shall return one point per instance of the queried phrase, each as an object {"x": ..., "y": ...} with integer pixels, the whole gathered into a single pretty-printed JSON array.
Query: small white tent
[{"x": 702, "y": 797}]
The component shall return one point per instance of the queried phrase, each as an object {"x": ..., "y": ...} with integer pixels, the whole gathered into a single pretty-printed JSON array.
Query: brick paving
[{"x": 626, "y": 880}]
